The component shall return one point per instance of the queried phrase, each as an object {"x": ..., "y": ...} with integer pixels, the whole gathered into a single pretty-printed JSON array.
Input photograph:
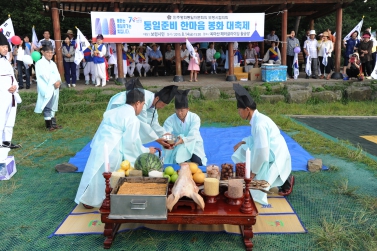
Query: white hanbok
[
  {"x": 192, "y": 140},
  {"x": 119, "y": 129},
  {"x": 7, "y": 112},
  {"x": 47, "y": 75},
  {"x": 148, "y": 131},
  {"x": 270, "y": 158}
]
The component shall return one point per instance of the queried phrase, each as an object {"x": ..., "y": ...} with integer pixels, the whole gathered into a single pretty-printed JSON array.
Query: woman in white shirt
[{"x": 325, "y": 47}]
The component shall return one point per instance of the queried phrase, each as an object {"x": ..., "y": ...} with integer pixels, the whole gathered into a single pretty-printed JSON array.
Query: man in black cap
[
  {"x": 8, "y": 95},
  {"x": 150, "y": 129},
  {"x": 119, "y": 131},
  {"x": 269, "y": 156},
  {"x": 48, "y": 78},
  {"x": 185, "y": 125}
]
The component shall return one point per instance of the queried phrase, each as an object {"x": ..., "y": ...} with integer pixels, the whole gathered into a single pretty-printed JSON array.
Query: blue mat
[{"x": 218, "y": 146}]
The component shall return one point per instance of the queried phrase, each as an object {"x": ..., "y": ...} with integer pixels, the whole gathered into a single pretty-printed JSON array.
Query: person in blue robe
[
  {"x": 119, "y": 129},
  {"x": 269, "y": 156},
  {"x": 185, "y": 126}
]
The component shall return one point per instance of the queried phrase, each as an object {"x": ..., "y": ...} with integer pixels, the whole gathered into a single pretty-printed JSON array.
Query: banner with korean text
[{"x": 135, "y": 27}]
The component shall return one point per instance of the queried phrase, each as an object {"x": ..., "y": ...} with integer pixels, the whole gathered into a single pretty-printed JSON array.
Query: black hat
[
  {"x": 181, "y": 100},
  {"x": 167, "y": 93},
  {"x": 3, "y": 39},
  {"x": 99, "y": 36},
  {"x": 243, "y": 97},
  {"x": 133, "y": 83}
]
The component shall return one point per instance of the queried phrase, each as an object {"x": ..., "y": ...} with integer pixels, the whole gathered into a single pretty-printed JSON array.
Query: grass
[{"x": 339, "y": 214}]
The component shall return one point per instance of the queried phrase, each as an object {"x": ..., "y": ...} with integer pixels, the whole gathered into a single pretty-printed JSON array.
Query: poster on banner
[{"x": 135, "y": 27}]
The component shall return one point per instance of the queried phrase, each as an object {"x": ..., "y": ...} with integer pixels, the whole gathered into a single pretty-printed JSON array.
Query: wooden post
[
  {"x": 57, "y": 36},
  {"x": 311, "y": 24},
  {"x": 284, "y": 23},
  {"x": 338, "y": 42},
  {"x": 119, "y": 46},
  {"x": 177, "y": 47},
  {"x": 230, "y": 76},
  {"x": 261, "y": 51}
]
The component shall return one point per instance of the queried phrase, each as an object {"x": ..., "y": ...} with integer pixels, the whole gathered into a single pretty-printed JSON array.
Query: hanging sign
[{"x": 135, "y": 27}]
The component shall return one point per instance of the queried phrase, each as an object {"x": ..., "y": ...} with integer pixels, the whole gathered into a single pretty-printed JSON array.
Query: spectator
[
  {"x": 73, "y": 42},
  {"x": 310, "y": 49},
  {"x": 194, "y": 65},
  {"x": 223, "y": 47},
  {"x": 210, "y": 58},
  {"x": 142, "y": 61},
  {"x": 21, "y": 65},
  {"x": 271, "y": 37},
  {"x": 353, "y": 67},
  {"x": 89, "y": 65},
  {"x": 304, "y": 38},
  {"x": 202, "y": 63},
  {"x": 98, "y": 55},
  {"x": 46, "y": 40},
  {"x": 184, "y": 58},
  {"x": 350, "y": 46},
  {"x": 68, "y": 50},
  {"x": 325, "y": 47},
  {"x": 169, "y": 59},
  {"x": 273, "y": 54},
  {"x": 251, "y": 56},
  {"x": 365, "y": 52},
  {"x": 155, "y": 59},
  {"x": 373, "y": 39},
  {"x": 292, "y": 43},
  {"x": 131, "y": 60},
  {"x": 203, "y": 48},
  {"x": 28, "y": 45}
]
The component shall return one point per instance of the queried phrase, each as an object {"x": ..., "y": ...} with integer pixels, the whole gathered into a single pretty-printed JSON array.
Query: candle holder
[
  {"x": 108, "y": 189},
  {"x": 246, "y": 207},
  {"x": 233, "y": 201},
  {"x": 211, "y": 199}
]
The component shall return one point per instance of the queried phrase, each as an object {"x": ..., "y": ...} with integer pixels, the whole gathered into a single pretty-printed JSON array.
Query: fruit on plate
[
  {"x": 193, "y": 167},
  {"x": 169, "y": 170},
  {"x": 121, "y": 171},
  {"x": 199, "y": 177},
  {"x": 125, "y": 165},
  {"x": 147, "y": 162},
  {"x": 174, "y": 177}
]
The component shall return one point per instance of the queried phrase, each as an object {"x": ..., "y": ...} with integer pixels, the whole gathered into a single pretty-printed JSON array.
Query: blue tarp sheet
[{"x": 218, "y": 146}]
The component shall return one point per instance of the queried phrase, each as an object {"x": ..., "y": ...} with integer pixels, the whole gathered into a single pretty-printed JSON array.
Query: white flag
[
  {"x": 357, "y": 28},
  {"x": 190, "y": 48},
  {"x": 81, "y": 44},
  {"x": 7, "y": 29},
  {"x": 34, "y": 39},
  {"x": 308, "y": 67},
  {"x": 295, "y": 66}
]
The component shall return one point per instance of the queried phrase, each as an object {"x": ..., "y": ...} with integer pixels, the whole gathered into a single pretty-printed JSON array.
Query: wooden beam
[
  {"x": 325, "y": 11},
  {"x": 299, "y": 13},
  {"x": 207, "y": 2},
  {"x": 57, "y": 36},
  {"x": 284, "y": 25}
]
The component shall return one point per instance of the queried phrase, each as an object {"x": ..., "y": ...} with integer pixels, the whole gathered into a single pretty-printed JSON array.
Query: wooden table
[{"x": 213, "y": 214}]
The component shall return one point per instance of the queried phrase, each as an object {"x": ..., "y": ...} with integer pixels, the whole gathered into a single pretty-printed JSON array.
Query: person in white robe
[
  {"x": 185, "y": 126},
  {"x": 8, "y": 95},
  {"x": 150, "y": 128},
  {"x": 48, "y": 80},
  {"x": 98, "y": 54},
  {"x": 269, "y": 156},
  {"x": 119, "y": 129}
]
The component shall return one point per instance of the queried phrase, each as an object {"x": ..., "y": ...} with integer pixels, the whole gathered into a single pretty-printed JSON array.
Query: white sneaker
[
  {"x": 86, "y": 82},
  {"x": 103, "y": 85},
  {"x": 215, "y": 72},
  {"x": 73, "y": 85},
  {"x": 97, "y": 85},
  {"x": 145, "y": 74},
  {"x": 69, "y": 85}
]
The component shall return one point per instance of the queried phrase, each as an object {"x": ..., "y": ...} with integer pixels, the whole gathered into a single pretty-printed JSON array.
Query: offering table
[{"x": 214, "y": 214}]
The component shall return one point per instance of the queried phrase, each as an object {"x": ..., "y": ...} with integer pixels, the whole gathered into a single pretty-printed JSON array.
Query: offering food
[
  {"x": 199, "y": 177},
  {"x": 226, "y": 171},
  {"x": 134, "y": 173},
  {"x": 171, "y": 174},
  {"x": 211, "y": 186},
  {"x": 147, "y": 162},
  {"x": 184, "y": 186},
  {"x": 170, "y": 139},
  {"x": 240, "y": 170},
  {"x": 142, "y": 189},
  {"x": 213, "y": 171},
  {"x": 235, "y": 188}
]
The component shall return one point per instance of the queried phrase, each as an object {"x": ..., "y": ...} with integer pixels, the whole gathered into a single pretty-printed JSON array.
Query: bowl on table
[{"x": 170, "y": 139}]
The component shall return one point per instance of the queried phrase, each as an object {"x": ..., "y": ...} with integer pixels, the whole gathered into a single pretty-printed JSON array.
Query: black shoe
[
  {"x": 20, "y": 87},
  {"x": 7, "y": 144},
  {"x": 27, "y": 87},
  {"x": 307, "y": 77},
  {"x": 49, "y": 126},
  {"x": 54, "y": 125},
  {"x": 287, "y": 188},
  {"x": 315, "y": 77}
]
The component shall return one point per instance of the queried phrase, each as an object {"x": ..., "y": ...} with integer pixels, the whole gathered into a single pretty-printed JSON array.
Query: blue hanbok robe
[
  {"x": 192, "y": 140},
  {"x": 148, "y": 131},
  {"x": 270, "y": 158},
  {"x": 119, "y": 129},
  {"x": 47, "y": 74}
]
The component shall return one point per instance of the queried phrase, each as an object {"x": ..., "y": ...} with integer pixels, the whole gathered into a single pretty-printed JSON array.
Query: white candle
[
  {"x": 247, "y": 169},
  {"x": 106, "y": 155}
]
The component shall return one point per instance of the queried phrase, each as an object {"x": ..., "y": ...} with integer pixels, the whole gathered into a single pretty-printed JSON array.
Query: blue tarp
[{"x": 218, "y": 146}]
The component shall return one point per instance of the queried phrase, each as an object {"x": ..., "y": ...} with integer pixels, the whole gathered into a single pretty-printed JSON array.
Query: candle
[
  {"x": 106, "y": 155},
  {"x": 211, "y": 186},
  {"x": 247, "y": 169}
]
